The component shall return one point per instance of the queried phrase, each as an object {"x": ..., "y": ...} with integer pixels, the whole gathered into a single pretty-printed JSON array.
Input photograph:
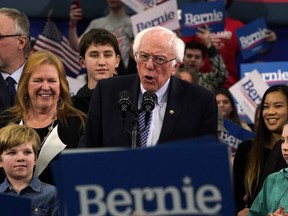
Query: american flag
[{"x": 52, "y": 39}]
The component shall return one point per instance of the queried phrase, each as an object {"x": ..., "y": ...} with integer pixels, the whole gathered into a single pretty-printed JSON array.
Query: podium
[
  {"x": 13, "y": 205},
  {"x": 191, "y": 177}
]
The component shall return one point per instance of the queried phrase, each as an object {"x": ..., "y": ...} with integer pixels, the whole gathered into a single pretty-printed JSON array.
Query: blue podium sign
[
  {"x": 185, "y": 178},
  {"x": 14, "y": 205}
]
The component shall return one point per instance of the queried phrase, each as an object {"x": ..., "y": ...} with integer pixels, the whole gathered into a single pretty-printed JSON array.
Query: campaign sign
[
  {"x": 165, "y": 15},
  {"x": 235, "y": 134},
  {"x": 273, "y": 73},
  {"x": 141, "y": 5},
  {"x": 14, "y": 205},
  {"x": 195, "y": 15},
  {"x": 191, "y": 177},
  {"x": 248, "y": 92},
  {"x": 251, "y": 38}
]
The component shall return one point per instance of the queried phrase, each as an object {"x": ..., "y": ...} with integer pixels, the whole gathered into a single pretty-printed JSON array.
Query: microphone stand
[{"x": 134, "y": 131}]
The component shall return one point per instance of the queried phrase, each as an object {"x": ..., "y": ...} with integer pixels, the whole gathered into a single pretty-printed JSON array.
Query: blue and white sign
[
  {"x": 251, "y": 38},
  {"x": 273, "y": 73},
  {"x": 169, "y": 179},
  {"x": 235, "y": 134},
  {"x": 248, "y": 92},
  {"x": 165, "y": 15},
  {"x": 195, "y": 15}
]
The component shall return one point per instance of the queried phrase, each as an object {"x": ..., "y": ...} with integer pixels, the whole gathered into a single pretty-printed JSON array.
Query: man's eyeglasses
[
  {"x": 11, "y": 35},
  {"x": 157, "y": 60}
]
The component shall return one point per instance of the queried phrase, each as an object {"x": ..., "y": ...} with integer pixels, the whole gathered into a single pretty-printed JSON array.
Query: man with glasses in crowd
[
  {"x": 14, "y": 43},
  {"x": 182, "y": 110}
]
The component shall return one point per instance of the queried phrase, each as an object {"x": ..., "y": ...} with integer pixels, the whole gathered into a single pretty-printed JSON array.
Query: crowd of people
[{"x": 39, "y": 118}]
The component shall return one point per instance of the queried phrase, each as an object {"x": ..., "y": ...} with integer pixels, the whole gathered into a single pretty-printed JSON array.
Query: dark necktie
[
  {"x": 11, "y": 89},
  {"x": 143, "y": 128}
]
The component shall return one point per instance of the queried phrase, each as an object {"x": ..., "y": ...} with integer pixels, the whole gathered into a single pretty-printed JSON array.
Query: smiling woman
[
  {"x": 43, "y": 103},
  {"x": 256, "y": 159}
]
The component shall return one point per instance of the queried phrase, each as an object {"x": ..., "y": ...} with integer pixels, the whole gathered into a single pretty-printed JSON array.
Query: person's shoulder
[
  {"x": 97, "y": 20},
  {"x": 276, "y": 176},
  {"x": 48, "y": 189},
  {"x": 83, "y": 92},
  {"x": 72, "y": 121},
  {"x": 234, "y": 22},
  {"x": 46, "y": 185},
  {"x": 6, "y": 117},
  {"x": 118, "y": 79},
  {"x": 245, "y": 146},
  {"x": 197, "y": 89}
]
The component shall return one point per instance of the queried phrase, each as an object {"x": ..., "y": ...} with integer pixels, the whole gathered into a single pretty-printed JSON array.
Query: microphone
[
  {"x": 148, "y": 104},
  {"x": 124, "y": 102}
]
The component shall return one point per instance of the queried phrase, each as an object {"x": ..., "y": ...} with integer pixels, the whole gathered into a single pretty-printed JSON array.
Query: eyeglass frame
[
  {"x": 10, "y": 35},
  {"x": 153, "y": 58}
]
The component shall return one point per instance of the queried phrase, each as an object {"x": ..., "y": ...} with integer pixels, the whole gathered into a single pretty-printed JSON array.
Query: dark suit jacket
[
  {"x": 4, "y": 95},
  {"x": 195, "y": 113}
]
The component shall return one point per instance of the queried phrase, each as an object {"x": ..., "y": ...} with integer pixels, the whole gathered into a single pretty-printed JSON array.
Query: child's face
[
  {"x": 101, "y": 61},
  {"x": 284, "y": 146},
  {"x": 18, "y": 162},
  {"x": 193, "y": 59}
]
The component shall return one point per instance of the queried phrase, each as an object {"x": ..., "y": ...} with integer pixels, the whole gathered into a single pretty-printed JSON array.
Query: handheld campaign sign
[
  {"x": 195, "y": 15},
  {"x": 169, "y": 179},
  {"x": 165, "y": 15},
  {"x": 14, "y": 205},
  {"x": 248, "y": 92},
  {"x": 235, "y": 134},
  {"x": 251, "y": 38},
  {"x": 273, "y": 73}
]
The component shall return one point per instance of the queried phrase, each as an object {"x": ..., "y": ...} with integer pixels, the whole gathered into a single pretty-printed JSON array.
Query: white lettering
[
  {"x": 229, "y": 139},
  {"x": 252, "y": 39},
  {"x": 271, "y": 76},
  {"x": 196, "y": 19},
  {"x": 155, "y": 22},
  {"x": 165, "y": 200},
  {"x": 85, "y": 192},
  {"x": 252, "y": 92}
]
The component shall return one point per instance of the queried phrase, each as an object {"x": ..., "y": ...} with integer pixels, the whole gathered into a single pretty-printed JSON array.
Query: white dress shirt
[
  {"x": 157, "y": 113},
  {"x": 15, "y": 75}
]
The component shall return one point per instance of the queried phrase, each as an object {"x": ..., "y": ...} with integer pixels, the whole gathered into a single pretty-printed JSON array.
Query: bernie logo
[
  {"x": 161, "y": 20},
  {"x": 205, "y": 200},
  {"x": 252, "y": 40},
  {"x": 251, "y": 93},
  {"x": 278, "y": 76},
  {"x": 194, "y": 20},
  {"x": 229, "y": 139}
]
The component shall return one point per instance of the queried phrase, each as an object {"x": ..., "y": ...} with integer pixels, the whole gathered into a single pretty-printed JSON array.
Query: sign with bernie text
[
  {"x": 252, "y": 39},
  {"x": 170, "y": 179},
  {"x": 235, "y": 134},
  {"x": 248, "y": 92},
  {"x": 273, "y": 73},
  {"x": 195, "y": 15},
  {"x": 165, "y": 15}
]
